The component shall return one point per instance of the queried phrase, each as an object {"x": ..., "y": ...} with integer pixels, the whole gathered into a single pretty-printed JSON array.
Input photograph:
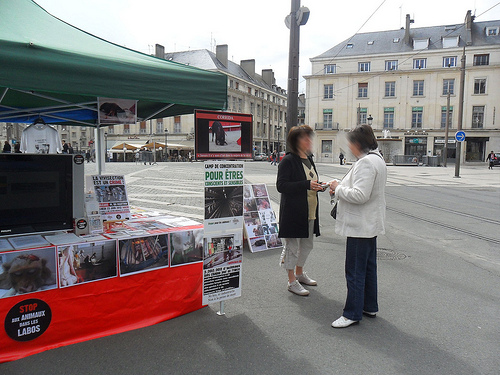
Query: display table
[{"x": 101, "y": 287}]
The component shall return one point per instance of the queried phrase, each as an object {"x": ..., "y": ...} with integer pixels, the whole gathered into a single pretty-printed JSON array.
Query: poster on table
[
  {"x": 223, "y": 135},
  {"x": 86, "y": 262},
  {"x": 111, "y": 195},
  {"x": 142, "y": 254},
  {"x": 261, "y": 226},
  {"x": 186, "y": 247},
  {"x": 117, "y": 111},
  {"x": 223, "y": 234},
  {"x": 27, "y": 271}
]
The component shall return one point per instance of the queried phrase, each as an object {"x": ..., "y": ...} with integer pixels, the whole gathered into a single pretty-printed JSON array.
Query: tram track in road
[{"x": 444, "y": 225}]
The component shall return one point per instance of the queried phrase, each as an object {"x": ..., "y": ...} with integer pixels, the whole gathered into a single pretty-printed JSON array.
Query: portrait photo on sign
[
  {"x": 259, "y": 190},
  {"x": 86, "y": 262},
  {"x": 27, "y": 271},
  {"x": 263, "y": 204},
  {"x": 224, "y": 137},
  {"x": 247, "y": 191},
  {"x": 143, "y": 254},
  {"x": 267, "y": 216},
  {"x": 273, "y": 241},
  {"x": 186, "y": 247},
  {"x": 258, "y": 243},
  {"x": 223, "y": 202},
  {"x": 222, "y": 250},
  {"x": 249, "y": 205}
]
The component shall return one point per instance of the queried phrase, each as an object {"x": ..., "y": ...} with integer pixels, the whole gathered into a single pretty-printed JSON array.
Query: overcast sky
[{"x": 252, "y": 28}]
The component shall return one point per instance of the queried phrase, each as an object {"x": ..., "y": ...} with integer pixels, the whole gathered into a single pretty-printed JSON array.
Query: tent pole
[
  {"x": 98, "y": 151},
  {"x": 57, "y": 100},
  {"x": 3, "y": 94},
  {"x": 160, "y": 110}
]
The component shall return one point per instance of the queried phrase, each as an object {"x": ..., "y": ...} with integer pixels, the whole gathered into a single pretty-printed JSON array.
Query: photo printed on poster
[
  {"x": 85, "y": 262},
  {"x": 261, "y": 226},
  {"x": 111, "y": 195},
  {"x": 186, "y": 247},
  {"x": 143, "y": 254},
  {"x": 27, "y": 271}
]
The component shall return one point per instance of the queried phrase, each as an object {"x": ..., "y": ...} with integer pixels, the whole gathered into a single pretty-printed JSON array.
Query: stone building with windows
[
  {"x": 248, "y": 92},
  {"x": 399, "y": 80}
]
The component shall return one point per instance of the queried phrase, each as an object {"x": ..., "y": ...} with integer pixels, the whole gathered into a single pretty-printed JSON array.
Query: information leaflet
[
  {"x": 223, "y": 233},
  {"x": 111, "y": 194}
]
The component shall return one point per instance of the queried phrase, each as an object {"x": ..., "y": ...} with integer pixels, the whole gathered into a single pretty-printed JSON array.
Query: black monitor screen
[{"x": 36, "y": 193}]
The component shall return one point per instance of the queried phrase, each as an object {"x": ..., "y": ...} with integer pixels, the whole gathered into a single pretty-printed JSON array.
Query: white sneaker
[
  {"x": 343, "y": 322},
  {"x": 297, "y": 289},
  {"x": 304, "y": 279}
]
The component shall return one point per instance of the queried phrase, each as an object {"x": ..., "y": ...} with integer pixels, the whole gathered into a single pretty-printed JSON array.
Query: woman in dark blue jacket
[{"x": 298, "y": 184}]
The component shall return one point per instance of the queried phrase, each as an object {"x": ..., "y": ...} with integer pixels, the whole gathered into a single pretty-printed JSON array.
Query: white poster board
[
  {"x": 261, "y": 225},
  {"x": 111, "y": 195},
  {"x": 223, "y": 233}
]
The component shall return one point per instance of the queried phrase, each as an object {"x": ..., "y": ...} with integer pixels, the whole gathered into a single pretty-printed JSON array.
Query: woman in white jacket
[{"x": 361, "y": 218}]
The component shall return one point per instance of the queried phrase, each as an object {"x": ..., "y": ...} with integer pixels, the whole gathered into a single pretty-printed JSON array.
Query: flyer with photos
[
  {"x": 111, "y": 194},
  {"x": 261, "y": 226}
]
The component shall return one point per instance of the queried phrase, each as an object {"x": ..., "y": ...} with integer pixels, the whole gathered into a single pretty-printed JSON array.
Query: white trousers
[{"x": 296, "y": 250}]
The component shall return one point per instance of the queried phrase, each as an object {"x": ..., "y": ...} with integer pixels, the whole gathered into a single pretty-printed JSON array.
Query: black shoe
[{"x": 369, "y": 314}]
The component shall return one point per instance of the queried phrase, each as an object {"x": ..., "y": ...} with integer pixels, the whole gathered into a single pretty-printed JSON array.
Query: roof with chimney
[
  {"x": 393, "y": 42},
  {"x": 207, "y": 60}
]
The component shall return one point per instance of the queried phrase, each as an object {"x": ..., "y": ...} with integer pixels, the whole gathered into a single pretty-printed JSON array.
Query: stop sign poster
[{"x": 223, "y": 231}]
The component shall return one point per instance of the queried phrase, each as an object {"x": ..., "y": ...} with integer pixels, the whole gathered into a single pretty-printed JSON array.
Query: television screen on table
[{"x": 36, "y": 193}]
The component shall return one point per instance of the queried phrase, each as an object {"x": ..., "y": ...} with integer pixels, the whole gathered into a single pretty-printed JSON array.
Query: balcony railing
[{"x": 326, "y": 127}]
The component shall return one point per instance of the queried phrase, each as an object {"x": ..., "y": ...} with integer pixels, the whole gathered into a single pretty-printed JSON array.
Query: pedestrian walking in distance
[
  {"x": 361, "y": 218},
  {"x": 341, "y": 157},
  {"x": 298, "y": 184},
  {"x": 491, "y": 160},
  {"x": 7, "y": 148}
]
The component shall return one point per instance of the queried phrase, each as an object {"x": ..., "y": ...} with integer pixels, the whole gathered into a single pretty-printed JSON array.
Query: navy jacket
[{"x": 293, "y": 186}]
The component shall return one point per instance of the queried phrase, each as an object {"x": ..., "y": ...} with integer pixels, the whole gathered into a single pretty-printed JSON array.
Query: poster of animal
[
  {"x": 117, "y": 111},
  {"x": 223, "y": 135},
  {"x": 186, "y": 247},
  {"x": 261, "y": 226},
  {"x": 27, "y": 271},
  {"x": 143, "y": 254},
  {"x": 85, "y": 262}
]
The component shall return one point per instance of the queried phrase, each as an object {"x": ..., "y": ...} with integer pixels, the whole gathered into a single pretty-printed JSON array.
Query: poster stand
[{"x": 221, "y": 309}]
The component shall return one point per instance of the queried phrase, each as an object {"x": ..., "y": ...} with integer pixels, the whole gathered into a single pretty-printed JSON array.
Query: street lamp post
[
  {"x": 106, "y": 146},
  {"x": 166, "y": 146},
  {"x": 278, "y": 128},
  {"x": 124, "y": 150}
]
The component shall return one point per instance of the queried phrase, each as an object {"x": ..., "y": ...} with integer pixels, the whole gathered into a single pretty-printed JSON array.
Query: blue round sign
[{"x": 460, "y": 136}]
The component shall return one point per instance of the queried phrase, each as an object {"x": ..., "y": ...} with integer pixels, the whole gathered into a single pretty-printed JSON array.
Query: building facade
[
  {"x": 399, "y": 82},
  {"x": 248, "y": 92}
]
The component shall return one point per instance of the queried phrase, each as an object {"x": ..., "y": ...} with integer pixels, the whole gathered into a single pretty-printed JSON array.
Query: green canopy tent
[{"x": 53, "y": 70}]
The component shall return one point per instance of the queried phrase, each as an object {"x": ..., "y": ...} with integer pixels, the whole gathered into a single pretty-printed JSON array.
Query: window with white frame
[
  {"x": 252, "y": 108},
  {"x": 362, "y": 90},
  {"x": 159, "y": 126},
  {"x": 327, "y": 118},
  {"x": 449, "y": 86},
  {"x": 363, "y": 67},
  {"x": 391, "y": 65},
  {"x": 363, "y": 115},
  {"x": 177, "y": 124},
  {"x": 443, "y": 117},
  {"x": 492, "y": 31},
  {"x": 390, "y": 89},
  {"x": 111, "y": 129},
  {"x": 449, "y": 62},
  {"x": 418, "y": 88},
  {"x": 388, "y": 117},
  {"x": 328, "y": 91},
  {"x": 419, "y": 63},
  {"x": 478, "y": 116},
  {"x": 330, "y": 68},
  {"x": 142, "y": 127},
  {"x": 480, "y": 86},
  {"x": 482, "y": 59},
  {"x": 126, "y": 129},
  {"x": 417, "y": 117}
]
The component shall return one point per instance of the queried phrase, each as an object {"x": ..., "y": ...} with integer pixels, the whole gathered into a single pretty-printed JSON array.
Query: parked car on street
[
  {"x": 282, "y": 155},
  {"x": 496, "y": 161},
  {"x": 260, "y": 157}
]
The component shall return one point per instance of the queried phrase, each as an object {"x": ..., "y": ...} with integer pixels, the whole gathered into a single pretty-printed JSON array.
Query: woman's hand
[
  {"x": 315, "y": 186},
  {"x": 333, "y": 186}
]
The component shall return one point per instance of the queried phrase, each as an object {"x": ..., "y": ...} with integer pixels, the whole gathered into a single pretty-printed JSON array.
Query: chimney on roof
[
  {"x": 469, "y": 19},
  {"x": 409, "y": 21},
  {"x": 268, "y": 76},
  {"x": 221, "y": 52},
  {"x": 248, "y": 66},
  {"x": 159, "y": 51}
]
